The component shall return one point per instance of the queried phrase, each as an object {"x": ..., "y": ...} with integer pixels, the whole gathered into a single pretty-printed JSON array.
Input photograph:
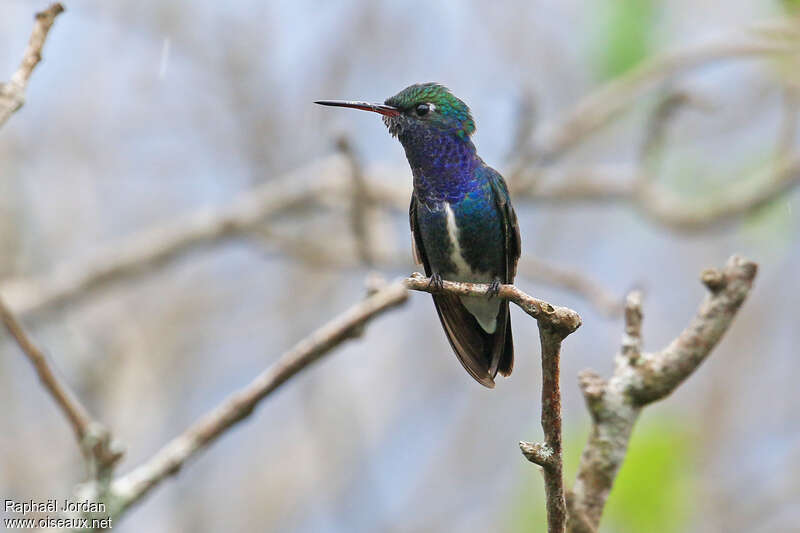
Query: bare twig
[
  {"x": 75, "y": 412},
  {"x": 12, "y": 94},
  {"x": 323, "y": 254},
  {"x": 94, "y": 440},
  {"x": 132, "y": 487},
  {"x": 129, "y": 489},
  {"x": 632, "y": 339},
  {"x": 661, "y": 372},
  {"x": 555, "y": 324},
  {"x": 561, "y": 319},
  {"x": 548, "y": 454},
  {"x": 640, "y": 379}
]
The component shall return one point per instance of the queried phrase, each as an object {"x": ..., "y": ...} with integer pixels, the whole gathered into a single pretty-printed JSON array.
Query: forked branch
[{"x": 643, "y": 378}]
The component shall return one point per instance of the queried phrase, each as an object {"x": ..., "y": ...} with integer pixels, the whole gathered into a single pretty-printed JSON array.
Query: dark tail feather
[
  {"x": 507, "y": 358},
  {"x": 482, "y": 354}
]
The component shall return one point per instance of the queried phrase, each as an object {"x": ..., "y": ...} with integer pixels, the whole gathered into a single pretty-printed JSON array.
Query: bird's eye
[{"x": 423, "y": 109}]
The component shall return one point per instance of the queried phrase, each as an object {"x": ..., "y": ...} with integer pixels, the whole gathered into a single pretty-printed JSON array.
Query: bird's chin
[{"x": 395, "y": 124}]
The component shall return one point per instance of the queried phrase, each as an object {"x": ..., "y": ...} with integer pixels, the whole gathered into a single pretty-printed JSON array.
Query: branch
[
  {"x": 327, "y": 254},
  {"x": 12, "y": 94},
  {"x": 660, "y": 373},
  {"x": 94, "y": 440},
  {"x": 640, "y": 379},
  {"x": 555, "y": 324},
  {"x": 125, "y": 491},
  {"x": 560, "y": 319},
  {"x": 129, "y": 489},
  {"x": 548, "y": 455},
  {"x": 161, "y": 244}
]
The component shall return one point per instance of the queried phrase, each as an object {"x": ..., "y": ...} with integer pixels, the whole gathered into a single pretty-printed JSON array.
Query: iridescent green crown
[{"x": 454, "y": 111}]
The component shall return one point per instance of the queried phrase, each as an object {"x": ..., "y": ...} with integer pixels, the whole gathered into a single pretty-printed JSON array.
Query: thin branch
[
  {"x": 555, "y": 324},
  {"x": 129, "y": 489},
  {"x": 94, "y": 440},
  {"x": 125, "y": 491},
  {"x": 561, "y": 319},
  {"x": 12, "y": 94},
  {"x": 640, "y": 379},
  {"x": 660, "y": 373},
  {"x": 632, "y": 339},
  {"x": 325, "y": 254},
  {"x": 548, "y": 455},
  {"x": 75, "y": 412}
]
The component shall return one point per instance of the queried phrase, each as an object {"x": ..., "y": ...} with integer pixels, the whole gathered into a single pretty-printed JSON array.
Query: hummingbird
[{"x": 463, "y": 225}]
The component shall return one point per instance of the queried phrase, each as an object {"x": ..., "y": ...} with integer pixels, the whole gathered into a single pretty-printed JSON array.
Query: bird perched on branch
[{"x": 462, "y": 222}]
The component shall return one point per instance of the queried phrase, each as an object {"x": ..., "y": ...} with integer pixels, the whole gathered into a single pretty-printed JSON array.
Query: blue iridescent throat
[{"x": 442, "y": 162}]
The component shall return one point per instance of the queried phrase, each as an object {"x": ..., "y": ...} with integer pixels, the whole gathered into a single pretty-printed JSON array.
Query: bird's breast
[
  {"x": 464, "y": 242},
  {"x": 484, "y": 310}
]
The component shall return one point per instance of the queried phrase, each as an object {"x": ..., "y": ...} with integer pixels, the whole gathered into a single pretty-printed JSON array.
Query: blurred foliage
[
  {"x": 624, "y": 40},
  {"x": 792, "y": 6},
  {"x": 771, "y": 225},
  {"x": 654, "y": 491}
]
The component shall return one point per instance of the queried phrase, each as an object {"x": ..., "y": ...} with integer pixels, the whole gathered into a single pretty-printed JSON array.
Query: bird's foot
[
  {"x": 436, "y": 281},
  {"x": 494, "y": 289}
]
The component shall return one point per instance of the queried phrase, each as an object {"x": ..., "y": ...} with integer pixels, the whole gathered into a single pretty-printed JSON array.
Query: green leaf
[{"x": 625, "y": 36}]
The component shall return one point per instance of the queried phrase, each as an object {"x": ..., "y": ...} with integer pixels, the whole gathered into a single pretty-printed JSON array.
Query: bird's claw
[
  {"x": 494, "y": 289},
  {"x": 436, "y": 282}
]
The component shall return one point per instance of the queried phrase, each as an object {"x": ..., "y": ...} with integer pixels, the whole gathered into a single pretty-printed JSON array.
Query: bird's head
[{"x": 420, "y": 107}]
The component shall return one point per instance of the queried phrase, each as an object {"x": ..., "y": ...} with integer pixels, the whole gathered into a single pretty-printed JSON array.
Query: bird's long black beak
[{"x": 388, "y": 110}]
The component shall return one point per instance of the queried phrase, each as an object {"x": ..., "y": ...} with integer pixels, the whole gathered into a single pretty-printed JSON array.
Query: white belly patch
[{"x": 483, "y": 309}]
